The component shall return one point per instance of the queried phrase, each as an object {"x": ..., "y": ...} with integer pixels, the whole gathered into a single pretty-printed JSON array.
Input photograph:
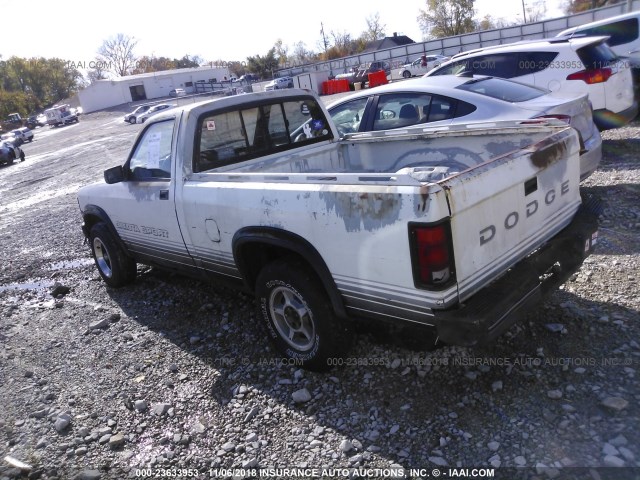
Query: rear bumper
[
  {"x": 606, "y": 119},
  {"x": 590, "y": 159},
  {"x": 492, "y": 311}
]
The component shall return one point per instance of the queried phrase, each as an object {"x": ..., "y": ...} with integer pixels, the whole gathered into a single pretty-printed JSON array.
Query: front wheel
[
  {"x": 406, "y": 74},
  {"x": 116, "y": 268},
  {"x": 299, "y": 317},
  {"x": 132, "y": 120}
]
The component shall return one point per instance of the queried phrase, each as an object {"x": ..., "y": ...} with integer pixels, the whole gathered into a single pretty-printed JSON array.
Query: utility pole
[
  {"x": 324, "y": 38},
  {"x": 524, "y": 15}
]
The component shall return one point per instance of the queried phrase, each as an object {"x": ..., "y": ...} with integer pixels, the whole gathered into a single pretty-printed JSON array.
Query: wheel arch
[
  {"x": 255, "y": 247},
  {"x": 92, "y": 215}
]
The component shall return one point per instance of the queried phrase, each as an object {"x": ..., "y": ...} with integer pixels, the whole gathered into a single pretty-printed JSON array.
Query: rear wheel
[
  {"x": 299, "y": 317},
  {"x": 116, "y": 268}
]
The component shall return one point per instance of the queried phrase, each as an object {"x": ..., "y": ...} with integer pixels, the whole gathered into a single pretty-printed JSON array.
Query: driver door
[{"x": 142, "y": 207}]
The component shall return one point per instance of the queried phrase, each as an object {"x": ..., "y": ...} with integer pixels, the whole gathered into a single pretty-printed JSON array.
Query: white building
[{"x": 146, "y": 86}]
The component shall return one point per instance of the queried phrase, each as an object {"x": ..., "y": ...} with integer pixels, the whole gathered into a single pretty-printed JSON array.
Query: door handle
[{"x": 164, "y": 194}]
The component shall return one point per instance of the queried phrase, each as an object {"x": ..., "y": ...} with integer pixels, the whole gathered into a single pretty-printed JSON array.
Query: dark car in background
[{"x": 9, "y": 152}]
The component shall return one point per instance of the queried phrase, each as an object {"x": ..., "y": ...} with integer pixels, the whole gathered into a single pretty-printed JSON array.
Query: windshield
[{"x": 503, "y": 89}]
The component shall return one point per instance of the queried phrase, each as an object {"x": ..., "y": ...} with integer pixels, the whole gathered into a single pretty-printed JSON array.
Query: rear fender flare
[{"x": 284, "y": 241}]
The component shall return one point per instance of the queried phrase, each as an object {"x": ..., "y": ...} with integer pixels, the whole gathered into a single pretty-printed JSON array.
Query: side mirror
[{"x": 114, "y": 175}]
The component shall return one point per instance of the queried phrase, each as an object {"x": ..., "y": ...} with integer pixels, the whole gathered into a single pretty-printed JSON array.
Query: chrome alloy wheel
[
  {"x": 102, "y": 257},
  {"x": 292, "y": 318}
]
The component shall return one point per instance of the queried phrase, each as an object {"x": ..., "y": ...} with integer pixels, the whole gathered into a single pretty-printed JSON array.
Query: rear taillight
[
  {"x": 563, "y": 118},
  {"x": 432, "y": 255},
  {"x": 598, "y": 75}
]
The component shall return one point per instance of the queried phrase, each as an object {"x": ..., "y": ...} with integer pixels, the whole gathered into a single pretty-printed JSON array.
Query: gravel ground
[{"x": 174, "y": 377}]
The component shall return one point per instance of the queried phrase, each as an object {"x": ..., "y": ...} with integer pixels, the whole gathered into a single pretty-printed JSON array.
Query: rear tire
[
  {"x": 299, "y": 317},
  {"x": 116, "y": 268}
]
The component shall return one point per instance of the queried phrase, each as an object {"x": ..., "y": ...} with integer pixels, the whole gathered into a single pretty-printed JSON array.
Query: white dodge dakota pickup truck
[{"x": 457, "y": 230}]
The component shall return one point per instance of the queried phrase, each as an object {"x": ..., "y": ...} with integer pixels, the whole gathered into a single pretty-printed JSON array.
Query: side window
[
  {"x": 503, "y": 65},
  {"x": 533, "y": 62},
  {"x": 235, "y": 136},
  {"x": 463, "y": 108},
  {"x": 621, "y": 32},
  {"x": 347, "y": 116},
  {"x": 441, "y": 108},
  {"x": 401, "y": 110},
  {"x": 151, "y": 159},
  {"x": 452, "y": 69}
]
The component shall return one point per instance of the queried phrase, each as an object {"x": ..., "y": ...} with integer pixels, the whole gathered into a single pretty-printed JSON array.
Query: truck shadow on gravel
[
  {"x": 618, "y": 225},
  {"x": 391, "y": 404}
]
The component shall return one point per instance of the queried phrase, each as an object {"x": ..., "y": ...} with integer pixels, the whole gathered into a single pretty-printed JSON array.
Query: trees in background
[
  {"x": 263, "y": 66},
  {"x": 29, "y": 85},
  {"x": 117, "y": 53},
  {"x": 446, "y": 18},
  {"x": 146, "y": 64},
  {"x": 577, "y": 6}
]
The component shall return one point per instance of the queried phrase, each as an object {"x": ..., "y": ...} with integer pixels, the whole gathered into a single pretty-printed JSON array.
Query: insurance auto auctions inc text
[{"x": 351, "y": 473}]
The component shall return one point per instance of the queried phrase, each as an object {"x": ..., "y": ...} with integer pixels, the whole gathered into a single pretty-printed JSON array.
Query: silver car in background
[
  {"x": 440, "y": 101},
  {"x": 153, "y": 110}
]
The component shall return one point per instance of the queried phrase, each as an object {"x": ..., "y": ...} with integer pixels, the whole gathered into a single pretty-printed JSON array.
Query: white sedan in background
[
  {"x": 421, "y": 66},
  {"x": 435, "y": 102}
]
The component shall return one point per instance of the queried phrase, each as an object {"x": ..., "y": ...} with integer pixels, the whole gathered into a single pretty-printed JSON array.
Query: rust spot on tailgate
[{"x": 549, "y": 154}]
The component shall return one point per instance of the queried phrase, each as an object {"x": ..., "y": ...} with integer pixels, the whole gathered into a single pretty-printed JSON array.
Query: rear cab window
[{"x": 226, "y": 138}]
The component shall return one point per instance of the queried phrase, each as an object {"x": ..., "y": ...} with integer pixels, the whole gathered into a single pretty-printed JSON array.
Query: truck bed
[{"x": 425, "y": 155}]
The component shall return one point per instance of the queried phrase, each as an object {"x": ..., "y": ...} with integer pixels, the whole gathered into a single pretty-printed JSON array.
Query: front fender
[{"x": 93, "y": 214}]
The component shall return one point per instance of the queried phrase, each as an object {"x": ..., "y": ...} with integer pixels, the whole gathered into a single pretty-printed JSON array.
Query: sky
[{"x": 228, "y": 31}]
